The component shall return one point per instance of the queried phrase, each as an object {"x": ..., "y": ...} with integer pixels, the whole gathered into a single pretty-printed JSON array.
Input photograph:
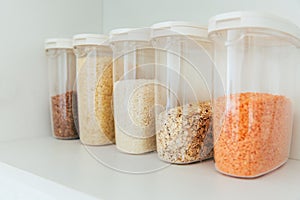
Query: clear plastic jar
[
  {"x": 94, "y": 88},
  {"x": 133, "y": 72},
  {"x": 254, "y": 88},
  {"x": 182, "y": 93},
  {"x": 62, "y": 74}
]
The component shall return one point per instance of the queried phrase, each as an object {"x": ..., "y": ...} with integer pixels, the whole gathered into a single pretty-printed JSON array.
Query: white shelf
[{"x": 69, "y": 166}]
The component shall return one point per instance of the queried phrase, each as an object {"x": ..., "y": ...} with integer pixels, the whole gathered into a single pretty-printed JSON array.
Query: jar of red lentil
[
  {"x": 254, "y": 77},
  {"x": 182, "y": 92},
  {"x": 62, "y": 89}
]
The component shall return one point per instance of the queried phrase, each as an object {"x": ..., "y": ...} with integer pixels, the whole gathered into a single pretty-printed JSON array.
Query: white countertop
[{"x": 62, "y": 169}]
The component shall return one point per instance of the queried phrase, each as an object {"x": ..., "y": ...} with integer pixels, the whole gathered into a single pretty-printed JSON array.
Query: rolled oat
[{"x": 184, "y": 133}]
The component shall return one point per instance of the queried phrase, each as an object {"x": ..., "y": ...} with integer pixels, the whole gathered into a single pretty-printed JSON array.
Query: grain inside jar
[
  {"x": 94, "y": 88},
  {"x": 184, "y": 133},
  {"x": 251, "y": 133},
  {"x": 62, "y": 116}
]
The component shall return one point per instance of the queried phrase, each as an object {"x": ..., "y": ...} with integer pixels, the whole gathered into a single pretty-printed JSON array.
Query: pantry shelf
[{"x": 71, "y": 167}]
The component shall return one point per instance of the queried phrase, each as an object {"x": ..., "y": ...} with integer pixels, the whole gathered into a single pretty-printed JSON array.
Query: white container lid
[
  {"x": 90, "y": 39},
  {"x": 58, "y": 43},
  {"x": 178, "y": 28},
  {"x": 130, "y": 34},
  {"x": 248, "y": 19}
]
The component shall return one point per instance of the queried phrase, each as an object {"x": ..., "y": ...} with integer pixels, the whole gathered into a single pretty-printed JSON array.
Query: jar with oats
[
  {"x": 133, "y": 71},
  {"x": 182, "y": 93},
  {"x": 62, "y": 74},
  {"x": 94, "y": 89},
  {"x": 254, "y": 89}
]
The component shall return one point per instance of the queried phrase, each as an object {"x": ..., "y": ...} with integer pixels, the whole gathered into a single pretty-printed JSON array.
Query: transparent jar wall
[
  {"x": 133, "y": 60},
  {"x": 134, "y": 96},
  {"x": 295, "y": 146},
  {"x": 182, "y": 98},
  {"x": 254, "y": 88},
  {"x": 185, "y": 65},
  {"x": 94, "y": 92},
  {"x": 63, "y": 109}
]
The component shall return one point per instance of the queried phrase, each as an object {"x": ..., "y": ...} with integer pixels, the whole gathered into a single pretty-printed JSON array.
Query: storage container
[
  {"x": 182, "y": 93},
  {"x": 94, "y": 88},
  {"x": 62, "y": 74},
  {"x": 254, "y": 88},
  {"x": 133, "y": 74}
]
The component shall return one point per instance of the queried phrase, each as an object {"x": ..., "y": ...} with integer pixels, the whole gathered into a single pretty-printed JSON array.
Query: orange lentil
[{"x": 252, "y": 133}]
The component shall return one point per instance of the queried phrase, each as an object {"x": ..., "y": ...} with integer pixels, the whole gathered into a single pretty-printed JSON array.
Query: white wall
[
  {"x": 24, "y": 110},
  {"x": 132, "y": 13},
  {"x": 135, "y": 13}
]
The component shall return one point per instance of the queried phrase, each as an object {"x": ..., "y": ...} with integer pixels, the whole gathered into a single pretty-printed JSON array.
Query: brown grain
[{"x": 62, "y": 116}]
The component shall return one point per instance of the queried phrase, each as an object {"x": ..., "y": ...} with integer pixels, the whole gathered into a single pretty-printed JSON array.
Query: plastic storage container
[
  {"x": 182, "y": 93},
  {"x": 94, "y": 88},
  {"x": 255, "y": 56},
  {"x": 62, "y": 74},
  {"x": 133, "y": 72}
]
